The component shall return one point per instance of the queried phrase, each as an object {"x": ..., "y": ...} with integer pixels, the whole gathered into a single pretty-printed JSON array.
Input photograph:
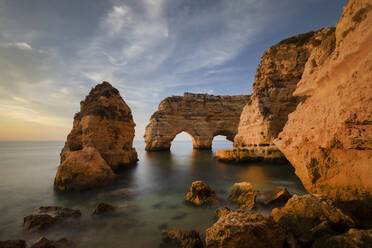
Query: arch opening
[
  {"x": 182, "y": 140},
  {"x": 222, "y": 141}
]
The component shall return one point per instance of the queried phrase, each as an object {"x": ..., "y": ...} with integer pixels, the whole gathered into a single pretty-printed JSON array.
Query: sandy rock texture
[
  {"x": 100, "y": 142},
  {"x": 244, "y": 195},
  {"x": 265, "y": 115},
  {"x": 201, "y": 194},
  {"x": 202, "y": 116},
  {"x": 328, "y": 139}
]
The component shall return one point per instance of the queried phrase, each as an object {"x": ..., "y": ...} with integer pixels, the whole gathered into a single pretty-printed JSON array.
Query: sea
[{"x": 150, "y": 194}]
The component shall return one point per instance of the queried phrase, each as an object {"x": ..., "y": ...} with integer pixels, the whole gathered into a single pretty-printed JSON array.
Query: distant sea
[{"x": 158, "y": 184}]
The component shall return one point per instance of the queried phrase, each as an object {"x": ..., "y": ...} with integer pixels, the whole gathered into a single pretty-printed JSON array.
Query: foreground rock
[
  {"x": 352, "y": 239},
  {"x": 328, "y": 139},
  {"x": 279, "y": 195},
  {"x": 46, "y": 217},
  {"x": 13, "y": 244},
  {"x": 200, "y": 115},
  {"x": 103, "y": 208},
  {"x": 175, "y": 238},
  {"x": 220, "y": 212},
  {"x": 310, "y": 217},
  {"x": 243, "y": 194},
  {"x": 46, "y": 243},
  {"x": 105, "y": 124},
  {"x": 265, "y": 115},
  {"x": 245, "y": 230},
  {"x": 201, "y": 194}
]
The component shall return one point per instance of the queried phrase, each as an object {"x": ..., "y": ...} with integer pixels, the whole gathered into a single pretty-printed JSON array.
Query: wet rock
[
  {"x": 103, "y": 208},
  {"x": 280, "y": 195},
  {"x": 45, "y": 217},
  {"x": 201, "y": 194},
  {"x": 243, "y": 194},
  {"x": 220, "y": 212},
  {"x": 46, "y": 243},
  {"x": 175, "y": 238},
  {"x": 352, "y": 239},
  {"x": 13, "y": 244},
  {"x": 243, "y": 229},
  {"x": 310, "y": 217}
]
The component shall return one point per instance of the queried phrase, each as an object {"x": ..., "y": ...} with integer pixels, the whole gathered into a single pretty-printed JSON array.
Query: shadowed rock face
[
  {"x": 264, "y": 116},
  {"x": 100, "y": 141},
  {"x": 200, "y": 115},
  {"x": 328, "y": 139}
]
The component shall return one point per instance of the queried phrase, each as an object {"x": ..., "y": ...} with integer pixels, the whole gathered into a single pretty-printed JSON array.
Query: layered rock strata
[
  {"x": 328, "y": 139},
  {"x": 265, "y": 115},
  {"x": 202, "y": 116},
  {"x": 100, "y": 142}
]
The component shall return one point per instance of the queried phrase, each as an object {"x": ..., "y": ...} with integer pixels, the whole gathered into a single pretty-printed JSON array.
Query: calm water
[{"x": 159, "y": 183}]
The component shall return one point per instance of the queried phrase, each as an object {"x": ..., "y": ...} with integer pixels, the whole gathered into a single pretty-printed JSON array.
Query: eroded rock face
[
  {"x": 45, "y": 217},
  {"x": 241, "y": 229},
  {"x": 202, "y": 116},
  {"x": 265, "y": 115},
  {"x": 105, "y": 124},
  {"x": 310, "y": 217},
  {"x": 175, "y": 238},
  {"x": 201, "y": 194},
  {"x": 244, "y": 195},
  {"x": 328, "y": 139},
  {"x": 352, "y": 239},
  {"x": 279, "y": 195}
]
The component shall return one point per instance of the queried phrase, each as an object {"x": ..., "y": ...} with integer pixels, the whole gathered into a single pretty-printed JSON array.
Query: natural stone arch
[{"x": 202, "y": 116}]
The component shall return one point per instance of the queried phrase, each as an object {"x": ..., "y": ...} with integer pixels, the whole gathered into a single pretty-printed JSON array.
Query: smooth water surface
[{"x": 158, "y": 184}]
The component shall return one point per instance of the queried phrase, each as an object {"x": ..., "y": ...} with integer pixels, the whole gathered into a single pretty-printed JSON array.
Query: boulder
[
  {"x": 45, "y": 217},
  {"x": 202, "y": 116},
  {"x": 46, "y": 243},
  {"x": 104, "y": 123},
  {"x": 13, "y": 244},
  {"x": 244, "y": 195},
  {"x": 103, "y": 208},
  {"x": 201, "y": 194},
  {"x": 242, "y": 229},
  {"x": 352, "y": 239},
  {"x": 175, "y": 238},
  {"x": 82, "y": 170},
  {"x": 310, "y": 217},
  {"x": 279, "y": 195},
  {"x": 328, "y": 138}
]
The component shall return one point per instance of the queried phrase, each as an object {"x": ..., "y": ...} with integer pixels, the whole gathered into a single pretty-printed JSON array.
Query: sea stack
[
  {"x": 265, "y": 115},
  {"x": 328, "y": 139},
  {"x": 100, "y": 142}
]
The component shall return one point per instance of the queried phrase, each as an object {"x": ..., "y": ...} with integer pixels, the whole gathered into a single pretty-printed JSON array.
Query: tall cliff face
[
  {"x": 103, "y": 131},
  {"x": 203, "y": 116},
  {"x": 265, "y": 115},
  {"x": 328, "y": 139}
]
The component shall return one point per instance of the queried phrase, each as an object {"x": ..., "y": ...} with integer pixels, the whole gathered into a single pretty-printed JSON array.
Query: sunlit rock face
[
  {"x": 328, "y": 139},
  {"x": 264, "y": 116},
  {"x": 104, "y": 123},
  {"x": 202, "y": 116}
]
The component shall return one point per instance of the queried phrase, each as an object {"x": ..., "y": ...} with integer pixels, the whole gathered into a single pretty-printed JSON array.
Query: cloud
[{"x": 21, "y": 45}]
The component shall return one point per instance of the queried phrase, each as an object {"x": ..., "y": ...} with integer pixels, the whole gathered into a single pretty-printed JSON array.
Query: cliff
[
  {"x": 202, "y": 116},
  {"x": 328, "y": 139}
]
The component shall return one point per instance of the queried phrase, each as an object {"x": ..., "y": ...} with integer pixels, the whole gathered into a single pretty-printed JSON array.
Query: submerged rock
[
  {"x": 103, "y": 208},
  {"x": 105, "y": 125},
  {"x": 279, "y": 195},
  {"x": 310, "y": 217},
  {"x": 242, "y": 229},
  {"x": 243, "y": 194},
  {"x": 352, "y": 239},
  {"x": 46, "y": 243},
  {"x": 45, "y": 217},
  {"x": 175, "y": 238},
  {"x": 13, "y": 244},
  {"x": 201, "y": 194}
]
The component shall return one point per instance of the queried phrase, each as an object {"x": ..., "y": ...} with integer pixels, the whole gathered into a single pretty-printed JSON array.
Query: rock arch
[{"x": 202, "y": 116}]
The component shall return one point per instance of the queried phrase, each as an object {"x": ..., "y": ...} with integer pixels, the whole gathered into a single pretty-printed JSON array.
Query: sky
[{"x": 52, "y": 52}]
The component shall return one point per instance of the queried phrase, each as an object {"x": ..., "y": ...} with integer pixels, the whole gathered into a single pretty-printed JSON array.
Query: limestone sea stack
[
  {"x": 328, "y": 139},
  {"x": 100, "y": 142},
  {"x": 202, "y": 116},
  {"x": 265, "y": 115}
]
